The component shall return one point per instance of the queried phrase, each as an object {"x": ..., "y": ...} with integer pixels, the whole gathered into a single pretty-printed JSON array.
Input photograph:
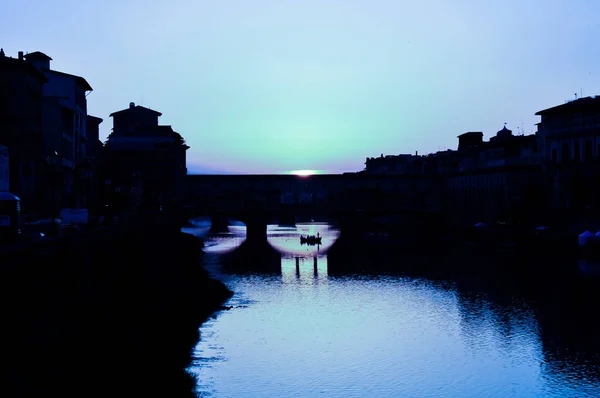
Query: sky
[{"x": 267, "y": 86}]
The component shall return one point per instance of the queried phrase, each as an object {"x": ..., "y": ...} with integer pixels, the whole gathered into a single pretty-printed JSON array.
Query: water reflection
[
  {"x": 304, "y": 270},
  {"x": 200, "y": 226},
  {"x": 218, "y": 243},
  {"x": 418, "y": 330},
  {"x": 286, "y": 240}
]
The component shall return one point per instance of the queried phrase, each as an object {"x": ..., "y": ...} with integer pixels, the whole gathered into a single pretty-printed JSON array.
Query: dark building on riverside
[
  {"x": 92, "y": 166},
  {"x": 482, "y": 181},
  {"x": 21, "y": 129},
  {"x": 496, "y": 180},
  {"x": 66, "y": 141},
  {"x": 394, "y": 164},
  {"x": 146, "y": 161},
  {"x": 43, "y": 124},
  {"x": 569, "y": 137}
]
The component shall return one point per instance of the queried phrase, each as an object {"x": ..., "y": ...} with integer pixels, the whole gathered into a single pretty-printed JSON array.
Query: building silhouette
[
  {"x": 499, "y": 180},
  {"x": 146, "y": 162},
  {"x": 44, "y": 127},
  {"x": 21, "y": 129},
  {"x": 4, "y": 170},
  {"x": 569, "y": 135},
  {"x": 495, "y": 180},
  {"x": 65, "y": 129}
]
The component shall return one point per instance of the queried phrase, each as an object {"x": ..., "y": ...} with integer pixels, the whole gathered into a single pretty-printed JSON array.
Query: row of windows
[
  {"x": 572, "y": 121},
  {"x": 574, "y": 152},
  {"x": 475, "y": 192},
  {"x": 477, "y": 182}
]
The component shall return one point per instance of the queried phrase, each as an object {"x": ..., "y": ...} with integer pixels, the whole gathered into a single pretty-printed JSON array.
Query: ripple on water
[{"x": 301, "y": 334}]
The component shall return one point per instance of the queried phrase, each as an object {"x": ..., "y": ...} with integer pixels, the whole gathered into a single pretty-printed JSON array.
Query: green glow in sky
[{"x": 270, "y": 86}]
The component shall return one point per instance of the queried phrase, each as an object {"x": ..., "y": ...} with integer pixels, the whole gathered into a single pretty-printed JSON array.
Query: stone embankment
[{"x": 112, "y": 313}]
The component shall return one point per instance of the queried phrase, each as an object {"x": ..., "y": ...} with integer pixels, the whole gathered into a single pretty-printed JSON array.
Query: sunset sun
[{"x": 304, "y": 173}]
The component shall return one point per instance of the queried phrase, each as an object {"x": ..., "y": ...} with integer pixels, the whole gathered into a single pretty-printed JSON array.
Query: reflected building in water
[
  {"x": 551, "y": 322},
  {"x": 483, "y": 333},
  {"x": 512, "y": 324}
]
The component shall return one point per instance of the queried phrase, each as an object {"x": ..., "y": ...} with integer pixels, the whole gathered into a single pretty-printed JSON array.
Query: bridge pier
[
  {"x": 256, "y": 229},
  {"x": 254, "y": 253},
  {"x": 287, "y": 216},
  {"x": 219, "y": 223}
]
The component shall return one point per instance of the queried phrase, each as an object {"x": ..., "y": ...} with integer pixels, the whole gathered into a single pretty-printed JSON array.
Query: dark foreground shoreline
[{"x": 115, "y": 313}]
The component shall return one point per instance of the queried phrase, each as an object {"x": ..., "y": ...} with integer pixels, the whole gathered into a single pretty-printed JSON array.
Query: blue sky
[{"x": 271, "y": 86}]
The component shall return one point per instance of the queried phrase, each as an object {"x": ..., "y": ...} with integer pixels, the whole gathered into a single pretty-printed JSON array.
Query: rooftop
[
  {"x": 15, "y": 63},
  {"x": 85, "y": 85},
  {"x": 37, "y": 55},
  {"x": 135, "y": 108},
  {"x": 581, "y": 104},
  {"x": 471, "y": 133},
  {"x": 94, "y": 119}
]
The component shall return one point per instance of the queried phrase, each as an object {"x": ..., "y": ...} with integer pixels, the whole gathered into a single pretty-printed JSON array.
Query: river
[{"x": 304, "y": 332}]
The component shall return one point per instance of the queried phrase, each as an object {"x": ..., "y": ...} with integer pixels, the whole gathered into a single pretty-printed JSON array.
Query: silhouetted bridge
[{"x": 258, "y": 200}]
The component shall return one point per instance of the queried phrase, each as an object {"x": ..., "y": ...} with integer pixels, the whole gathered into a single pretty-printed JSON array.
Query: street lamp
[{"x": 53, "y": 160}]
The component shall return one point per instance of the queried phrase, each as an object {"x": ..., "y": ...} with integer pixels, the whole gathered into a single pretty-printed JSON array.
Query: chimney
[
  {"x": 20, "y": 55},
  {"x": 131, "y": 105}
]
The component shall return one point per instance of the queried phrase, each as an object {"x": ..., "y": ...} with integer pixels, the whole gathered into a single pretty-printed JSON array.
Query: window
[
  {"x": 587, "y": 151},
  {"x": 66, "y": 149},
  {"x": 576, "y": 151},
  {"x": 566, "y": 156}
]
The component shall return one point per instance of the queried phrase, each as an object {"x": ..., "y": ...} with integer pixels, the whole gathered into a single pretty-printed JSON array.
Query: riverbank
[{"x": 109, "y": 314}]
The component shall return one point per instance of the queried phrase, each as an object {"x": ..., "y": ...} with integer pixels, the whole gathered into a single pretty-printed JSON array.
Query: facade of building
[
  {"x": 484, "y": 181},
  {"x": 90, "y": 171},
  {"x": 65, "y": 130},
  {"x": 147, "y": 161},
  {"x": 43, "y": 116},
  {"x": 93, "y": 145},
  {"x": 21, "y": 129},
  {"x": 497, "y": 180},
  {"x": 394, "y": 164},
  {"x": 4, "y": 170},
  {"x": 569, "y": 136}
]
